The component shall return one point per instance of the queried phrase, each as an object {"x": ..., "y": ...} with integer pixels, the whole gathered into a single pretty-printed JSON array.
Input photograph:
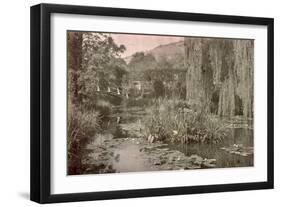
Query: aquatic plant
[
  {"x": 239, "y": 149},
  {"x": 167, "y": 122}
]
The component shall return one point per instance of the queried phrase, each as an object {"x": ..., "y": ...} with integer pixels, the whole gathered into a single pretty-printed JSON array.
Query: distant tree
[
  {"x": 142, "y": 60},
  {"x": 163, "y": 63},
  {"x": 140, "y": 63},
  {"x": 102, "y": 65},
  {"x": 159, "y": 89},
  {"x": 137, "y": 58},
  {"x": 178, "y": 61},
  {"x": 119, "y": 69}
]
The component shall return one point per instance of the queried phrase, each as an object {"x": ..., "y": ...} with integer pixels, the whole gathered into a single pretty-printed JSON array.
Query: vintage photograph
[{"x": 143, "y": 102}]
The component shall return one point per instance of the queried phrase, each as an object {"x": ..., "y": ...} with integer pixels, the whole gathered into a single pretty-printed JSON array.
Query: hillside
[{"x": 169, "y": 51}]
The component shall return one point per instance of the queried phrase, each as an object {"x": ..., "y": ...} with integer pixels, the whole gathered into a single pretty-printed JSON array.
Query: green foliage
[
  {"x": 143, "y": 102},
  {"x": 146, "y": 67},
  {"x": 81, "y": 126},
  {"x": 74, "y": 59},
  {"x": 102, "y": 66},
  {"x": 166, "y": 121},
  {"x": 103, "y": 107},
  {"x": 164, "y": 64},
  {"x": 159, "y": 89},
  {"x": 141, "y": 61},
  {"x": 93, "y": 62},
  {"x": 180, "y": 89},
  {"x": 165, "y": 75}
]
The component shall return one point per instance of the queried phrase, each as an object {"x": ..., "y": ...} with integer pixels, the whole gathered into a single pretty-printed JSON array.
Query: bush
[
  {"x": 166, "y": 122},
  {"x": 103, "y": 107},
  {"x": 159, "y": 89},
  {"x": 81, "y": 127},
  {"x": 142, "y": 102}
]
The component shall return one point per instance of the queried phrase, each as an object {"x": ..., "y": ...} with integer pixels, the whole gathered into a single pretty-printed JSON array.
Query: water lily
[{"x": 175, "y": 132}]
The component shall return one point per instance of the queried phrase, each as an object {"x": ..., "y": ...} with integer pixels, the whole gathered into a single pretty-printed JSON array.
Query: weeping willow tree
[{"x": 219, "y": 75}]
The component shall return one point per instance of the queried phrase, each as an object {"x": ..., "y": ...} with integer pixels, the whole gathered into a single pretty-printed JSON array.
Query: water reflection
[
  {"x": 224, "y": 159},
  {"x": 126, "y": 124}
]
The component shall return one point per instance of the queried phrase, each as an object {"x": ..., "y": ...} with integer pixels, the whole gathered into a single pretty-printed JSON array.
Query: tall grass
[
  {"x": 103, "y": 107},
  {"x": 143, "y": 102},
  {"x": 82, "y": 125},
  {"x": 168, "y": 121}
]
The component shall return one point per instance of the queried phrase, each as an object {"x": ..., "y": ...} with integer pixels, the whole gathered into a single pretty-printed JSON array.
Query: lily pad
[{"x": 239, "y": 149}]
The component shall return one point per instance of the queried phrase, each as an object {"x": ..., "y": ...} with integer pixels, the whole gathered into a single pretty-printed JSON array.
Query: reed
[{"x": 166, "y": 121}]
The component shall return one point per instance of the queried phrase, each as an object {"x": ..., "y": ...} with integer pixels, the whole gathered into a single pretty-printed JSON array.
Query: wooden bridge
[{"x": 114, "y": 91}]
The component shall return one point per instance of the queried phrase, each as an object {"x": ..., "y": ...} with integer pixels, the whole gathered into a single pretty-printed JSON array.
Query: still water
[
  {"x": 128, "y": 156},
  {"x": 242, "y": 136}
]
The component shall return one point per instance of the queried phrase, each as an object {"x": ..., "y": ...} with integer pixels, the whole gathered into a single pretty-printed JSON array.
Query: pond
[
  {"x": 238, "y": 136},
  {"x": 122, "y": 148}
]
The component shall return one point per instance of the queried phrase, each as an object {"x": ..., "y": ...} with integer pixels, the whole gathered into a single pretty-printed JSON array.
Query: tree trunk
[{"x": 74, "y": 64}]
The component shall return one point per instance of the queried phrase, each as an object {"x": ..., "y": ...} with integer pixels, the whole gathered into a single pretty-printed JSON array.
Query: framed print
[{"x": 133, "y": 103}]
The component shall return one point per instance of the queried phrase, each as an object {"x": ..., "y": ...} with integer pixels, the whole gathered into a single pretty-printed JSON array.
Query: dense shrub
[
  {"x": 159, "y": 89},
  {"x": 103, "y": 107},
  {"x": 81, "y": 127}
]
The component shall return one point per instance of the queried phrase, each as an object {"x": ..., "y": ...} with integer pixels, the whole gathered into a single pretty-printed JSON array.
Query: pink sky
[{"x": 135, "y": 43}]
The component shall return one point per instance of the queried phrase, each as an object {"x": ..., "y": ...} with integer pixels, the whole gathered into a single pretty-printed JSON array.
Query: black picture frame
[{"x": 41, "y": 98}]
